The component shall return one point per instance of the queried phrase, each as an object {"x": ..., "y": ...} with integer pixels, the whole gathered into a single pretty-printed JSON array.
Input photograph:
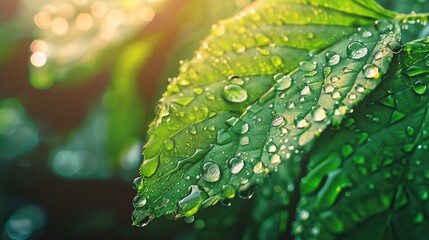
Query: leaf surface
[{"x": 237, "y": 110}]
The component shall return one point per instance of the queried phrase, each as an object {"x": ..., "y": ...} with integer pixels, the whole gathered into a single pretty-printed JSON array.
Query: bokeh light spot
[
  {"x": 38, "y": 59},
  {"x": 59, "y": 26},
  {"x": 84, "y": 21}
]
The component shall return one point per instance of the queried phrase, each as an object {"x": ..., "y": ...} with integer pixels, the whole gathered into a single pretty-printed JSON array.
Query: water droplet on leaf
[
  {"x": 356, "y": 50},
  {"x": 211, "y": 172},
  {"x": 234, "y": 93},
  {"x": 235, "y": 165}
]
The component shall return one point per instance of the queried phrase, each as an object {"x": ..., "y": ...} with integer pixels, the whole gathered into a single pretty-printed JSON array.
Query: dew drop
[
  {"x": 271, "y": 147},
  {"x": 137, "y": 182},
  {"x": 169, "y": 144},
  {"x": 305, "y": 91},
  {"x": 332, "y": 58},
  {"x": 235, "y": 165},
  {"x": 223, "y": 137},
  {"x": 302, "y": 123},
  {"x": 370, "y": 71},
  {"x": 356, "y": 50},
  {"x": 234, "y": 79},
  {"x": 140, "y": 218},
  {"x": 139, "y": 201},
  {"x": 366, "y": 33},
  {"x": 192, "y": 130},
  {"x": 307, "y": 66},
  {"x": 198, "y": 91},
  {"x": 190, "y": 204},
  {"x": 228, "y": 191},
  {"x": 419, "y": 87},
  {"x": 183, "y": 82},
  {"x": 282, "y": 81},
  {"x": 275, "y": 159},
  {"x": 410, "y": 131},
  {"x": 319, "y": 114},
  {"x": 246, "y": 194},
  {"x": 234, "y": 93},
  {"x": 336, "y": 95},
  {"x": 226, "y": 203},
  {"x": 395, "y": 46},
  {"x": 244, "y": 141},
  {"x": 211, "y": 172},
  {"x": 258, "y": 168},
  {"x": 383, "y": 25},
  {"x": 278, "y": 121},
  {"x": 244, "y": 128},
  {"x": 329, "y": 88},
  {"x": 276, "y": 61},
  {"x": 189, "y": 219}
]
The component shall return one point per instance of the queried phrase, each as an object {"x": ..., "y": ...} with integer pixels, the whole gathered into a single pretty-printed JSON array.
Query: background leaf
[{"x": 370, "y": 179}]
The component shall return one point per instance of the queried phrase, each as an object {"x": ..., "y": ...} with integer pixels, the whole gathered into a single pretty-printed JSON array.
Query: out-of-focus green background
[{"x": 79, "y": 80}]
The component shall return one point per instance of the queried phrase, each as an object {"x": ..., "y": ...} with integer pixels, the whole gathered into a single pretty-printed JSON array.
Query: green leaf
[
  {"x": 211, "y": 139},
  {"x": 370, "y": 180}
]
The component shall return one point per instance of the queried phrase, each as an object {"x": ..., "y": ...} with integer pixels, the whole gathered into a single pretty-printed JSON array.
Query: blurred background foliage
[{"x": 79, "y": 80}]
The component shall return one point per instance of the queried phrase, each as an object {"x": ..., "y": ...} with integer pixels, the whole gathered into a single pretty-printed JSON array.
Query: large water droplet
[
  {"x": 192, "y": 130},
  {"x": 370, "y": 71},
  {"x": 198, "y": 91},
  {"x": 235, "y": 165},
  {"x": 419, "y": 87},
  {"x": 234, "y": 79},
  {"x": 356, "y": 50},
  {"x": 139, "y": 201},
  {"x": 275, "y": 159},
  {"x": 244, "y": 141},
  {"x": 329, "y": 88},
  {"x": 228, "y": 191},
  {"x": 319, "y": 114},
  {"x": 332, "y": 58},
  {"x": 244, "y": 128},
  {"x": 271, "y": 147},
  {"x": 305, "y": 91},
  {"x": 307, "y": 66},
  {"x": 410, "y": 131},
  {"x": 137, "y": 182},
  {"x": 302, "y": 123},
  {"x": 276, "y": 61},
  {"x": 223, "y": 137},
  {"x": 140, "y": 218},
  {"x": 234, "y": 93},
  {"x": 282, "y": 81},
  {"x": 211, "y": 172},
  {"x": 190, "y": 204},
  {"x": 383, "y": 25},
  {"x": 169, "y": 144},
  {"x": 258, "y": 168},
  {"x": 247, "y": 194},
  {"x": 278, "y": 121}
]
